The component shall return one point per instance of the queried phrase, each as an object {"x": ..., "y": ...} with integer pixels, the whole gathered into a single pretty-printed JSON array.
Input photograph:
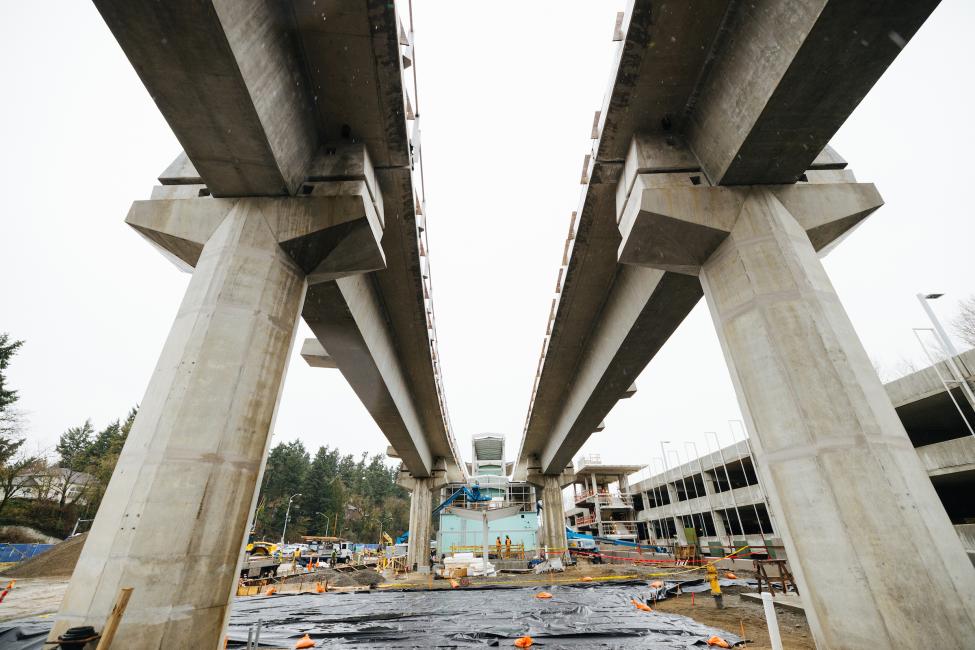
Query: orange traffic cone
[
  {"x": 305, "y": 642},
  {"x": 270, "y": 591},
  {"x": 719, "y": 642},
  {"x": 730, "y": 576},
  {"x": 524, "y": 642},
  {"x": 319, "y": 587},
  {"x": 641, "y": 606}
]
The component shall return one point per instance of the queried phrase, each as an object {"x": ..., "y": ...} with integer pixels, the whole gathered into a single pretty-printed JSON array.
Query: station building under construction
[{"x": 717, "y": 502}]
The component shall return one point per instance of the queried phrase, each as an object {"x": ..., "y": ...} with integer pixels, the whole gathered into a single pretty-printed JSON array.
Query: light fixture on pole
[{"x": 287, "y": 514}]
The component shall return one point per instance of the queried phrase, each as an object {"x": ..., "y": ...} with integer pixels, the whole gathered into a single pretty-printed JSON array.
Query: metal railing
[{"x": 605, "y": 499}]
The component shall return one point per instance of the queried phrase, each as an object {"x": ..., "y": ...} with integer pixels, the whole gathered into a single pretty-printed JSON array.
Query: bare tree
[
  {"x": 12, "y": 475},
  {"x": 964, "y": 323}
]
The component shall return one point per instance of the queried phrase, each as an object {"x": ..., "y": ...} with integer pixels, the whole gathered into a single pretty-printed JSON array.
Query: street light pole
[
  {"x": 287, "y": 515},
  {"x": 673, "y": 506},
  {"x": 947, "y": 345},
  {"x": 327, "y": 521}
]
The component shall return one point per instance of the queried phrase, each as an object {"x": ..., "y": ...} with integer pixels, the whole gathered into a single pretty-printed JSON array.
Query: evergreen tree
[
  {"x": 8, "y": 349},
  {"x": 74, "y": 447},
  {"x": 284, "y": 474},
  {"x": 9, "y": 419}
]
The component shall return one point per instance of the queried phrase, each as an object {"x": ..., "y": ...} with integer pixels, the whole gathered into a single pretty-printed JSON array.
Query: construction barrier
[
  {"x": 20, "y": 552},
  {"x": 511, "y": 552}
]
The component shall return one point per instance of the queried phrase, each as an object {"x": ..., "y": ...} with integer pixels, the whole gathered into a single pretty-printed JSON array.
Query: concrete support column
[
  {"x": 831, "y": 450},
  {"x": 599, "y": 511},
  {"x": 553, "y": 514},
  {"x": 177, "y": 510},
  {"x": 421, "y": 523},
  {"x": 175, "y": 516}
]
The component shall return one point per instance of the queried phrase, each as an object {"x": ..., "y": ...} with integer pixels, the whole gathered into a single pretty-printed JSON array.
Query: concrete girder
[
  {"x": 228, "y": 78},
  {"x": 315, "y": 355},
  {"x": 643, "y": 309},
  {"x": 347, "y": 317},
  {"x": 783, "y": 78}
]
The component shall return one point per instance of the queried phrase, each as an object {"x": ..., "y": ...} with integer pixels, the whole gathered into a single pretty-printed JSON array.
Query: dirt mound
[
  {"x": 367, "y": 577},
  {"x": 25, "y": 535},
  {"x": 57, "y": 563},
  {"x": 338, "y": 578}
]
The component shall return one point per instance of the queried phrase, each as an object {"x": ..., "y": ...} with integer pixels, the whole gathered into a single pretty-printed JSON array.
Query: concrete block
[{"x": 313, "y": 352}]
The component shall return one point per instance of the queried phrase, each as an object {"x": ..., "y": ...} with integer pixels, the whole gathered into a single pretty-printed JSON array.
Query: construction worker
[
  {"x": 498, "y": 542},
  {"x": 335, "y": 557},
  {"x": 507, "y": 546}
]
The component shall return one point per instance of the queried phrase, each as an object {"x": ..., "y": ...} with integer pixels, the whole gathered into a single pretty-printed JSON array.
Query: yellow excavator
[{"x": 261, "y": 549}]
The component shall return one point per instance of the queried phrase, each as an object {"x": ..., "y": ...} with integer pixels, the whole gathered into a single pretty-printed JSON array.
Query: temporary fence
[
  {"x": 19, "y": 552},
  {"x": 509, "y": 552}
]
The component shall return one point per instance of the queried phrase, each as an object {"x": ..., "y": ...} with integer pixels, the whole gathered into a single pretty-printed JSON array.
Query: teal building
[{"x": 490, "y": 472}]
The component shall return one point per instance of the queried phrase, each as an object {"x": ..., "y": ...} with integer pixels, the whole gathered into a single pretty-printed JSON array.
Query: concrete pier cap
[
  {"x": 671, "y": 218},
  {"x": 331, "y": 229}
]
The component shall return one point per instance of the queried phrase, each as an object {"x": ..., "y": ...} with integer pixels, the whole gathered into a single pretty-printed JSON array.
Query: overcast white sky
[{"x": 507, "y": 93}]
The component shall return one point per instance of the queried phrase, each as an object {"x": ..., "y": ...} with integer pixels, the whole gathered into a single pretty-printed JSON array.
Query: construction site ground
[
  {"x": 737, "y": 613},
  {"x": 39, "y": 596}
]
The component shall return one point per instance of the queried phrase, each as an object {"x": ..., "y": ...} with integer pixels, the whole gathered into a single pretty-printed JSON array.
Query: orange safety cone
[
  {"x": 524, "y": 642},
  {"x": 319, "y": 587},
  {"x": 543, "y": 594},
  {"x": 718, "y": 642},
  {"x": 641, "y": 606},
  {"x": 270, "y": 591},
  {"x": 730, "y": 576},
  {"x": 304, "y": 642}
]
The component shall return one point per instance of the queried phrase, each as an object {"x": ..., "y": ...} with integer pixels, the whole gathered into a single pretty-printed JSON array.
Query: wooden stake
[{"x": 111, "y": 625}]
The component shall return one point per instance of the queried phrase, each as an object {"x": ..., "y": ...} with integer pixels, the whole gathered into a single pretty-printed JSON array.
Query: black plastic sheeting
[
  {"x": 692, "y": 587},
  {"x": 590, "y": 616},
  {"x": 593, "y": 615}
]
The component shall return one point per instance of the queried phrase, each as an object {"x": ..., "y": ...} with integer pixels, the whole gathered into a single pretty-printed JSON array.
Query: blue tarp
[{"x": 18, "y": 552}]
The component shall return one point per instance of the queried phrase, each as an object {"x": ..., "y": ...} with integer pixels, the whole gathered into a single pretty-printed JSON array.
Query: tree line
[
  {"x": 340, "y": 494},
  {"x": 355, "y": 498}
]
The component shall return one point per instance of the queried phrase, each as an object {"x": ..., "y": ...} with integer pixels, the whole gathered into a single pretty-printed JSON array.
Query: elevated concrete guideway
[
  {"x": 298, "y": 194},
  {"x": 675, "y": 70},
  {"x": 710, "y": 175}
]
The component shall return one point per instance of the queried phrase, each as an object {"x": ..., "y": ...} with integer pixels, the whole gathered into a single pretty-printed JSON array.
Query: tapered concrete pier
[
  {"x": 421, "y": 520},
  {"x": 175, "y": 516},
  {"x": 179, "y": 502},
  {"x": 820, "y": 420},
  {"x": 819, "y": 416},
  {"x": 552, "y": 524}
]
